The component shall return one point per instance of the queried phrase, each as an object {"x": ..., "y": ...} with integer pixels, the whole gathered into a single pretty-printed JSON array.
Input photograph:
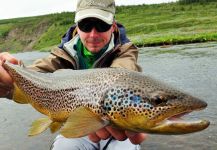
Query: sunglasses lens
[
  {"x": 102, "y": 26},
  {"x": 86, "y": 25}
]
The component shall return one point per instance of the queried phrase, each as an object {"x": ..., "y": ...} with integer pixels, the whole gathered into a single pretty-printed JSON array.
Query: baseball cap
[{"x": 101, "y": 9}]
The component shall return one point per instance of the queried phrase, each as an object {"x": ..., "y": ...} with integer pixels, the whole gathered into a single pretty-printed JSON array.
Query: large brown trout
[{"x": 79, "y": 102}]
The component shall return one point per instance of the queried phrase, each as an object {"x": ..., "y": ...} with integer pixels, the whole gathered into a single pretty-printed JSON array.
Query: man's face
[{"x": 92, "y": 34}]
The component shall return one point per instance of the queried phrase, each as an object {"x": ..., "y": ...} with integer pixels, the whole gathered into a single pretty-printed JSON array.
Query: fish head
[{"x": 143, "y": 104}]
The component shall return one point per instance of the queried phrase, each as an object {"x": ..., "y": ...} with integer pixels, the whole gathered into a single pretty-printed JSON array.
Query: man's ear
[{"x": 114, "y": 27}]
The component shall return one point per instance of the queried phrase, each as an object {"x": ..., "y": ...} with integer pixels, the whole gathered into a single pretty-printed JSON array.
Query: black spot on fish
[
  {"x": 119, "y": 97},
  {"x": 124, "y": 115}
]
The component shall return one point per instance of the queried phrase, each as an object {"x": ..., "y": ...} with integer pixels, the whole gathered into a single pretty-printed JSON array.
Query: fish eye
[
  {"x": 159, "y": 97},
  {"x": 158, "y": 100}
]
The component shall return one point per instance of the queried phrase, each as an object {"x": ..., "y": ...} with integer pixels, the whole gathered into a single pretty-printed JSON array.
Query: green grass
[
  {"x": 53, "y": 35},
  {"x": 146, "y": 25},
  {"x": 170, "y": 23}
]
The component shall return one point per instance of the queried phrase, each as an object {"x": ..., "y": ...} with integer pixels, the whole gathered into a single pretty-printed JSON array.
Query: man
[{"x": 95, "y": 41}]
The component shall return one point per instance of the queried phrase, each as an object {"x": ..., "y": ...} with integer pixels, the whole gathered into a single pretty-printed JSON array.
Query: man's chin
[{"x": 95, "y": 49}]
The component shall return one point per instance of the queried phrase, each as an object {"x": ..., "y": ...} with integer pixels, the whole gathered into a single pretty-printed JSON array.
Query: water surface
[{"x": 191, "y": 68}]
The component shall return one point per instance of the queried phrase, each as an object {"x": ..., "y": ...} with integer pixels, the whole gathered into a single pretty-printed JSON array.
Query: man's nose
[{"x": 93, "y": 32}]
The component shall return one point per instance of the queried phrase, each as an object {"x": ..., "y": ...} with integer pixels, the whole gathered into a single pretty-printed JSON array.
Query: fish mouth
[{"x": 177, "y": 124}]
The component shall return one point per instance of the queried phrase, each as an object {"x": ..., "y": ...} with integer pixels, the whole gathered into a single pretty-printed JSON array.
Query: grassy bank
[
  {"x": 171, "y": 23},
  {"x": 146, "y": 25}
]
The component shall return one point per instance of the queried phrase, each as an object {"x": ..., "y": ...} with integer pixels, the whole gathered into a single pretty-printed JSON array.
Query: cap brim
[{"x": 95, "y": 13}]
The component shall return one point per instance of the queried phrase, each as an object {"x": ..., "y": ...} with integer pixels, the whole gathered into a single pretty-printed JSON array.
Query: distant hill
[{"x": 146, "y": 25}]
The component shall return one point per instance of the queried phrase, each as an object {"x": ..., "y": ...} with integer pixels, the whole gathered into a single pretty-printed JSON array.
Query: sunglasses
[{"x": 86, "y": 25}]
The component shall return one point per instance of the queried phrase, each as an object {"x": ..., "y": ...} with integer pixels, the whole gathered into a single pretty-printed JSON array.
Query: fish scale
[{"x": 80, "y": 102}]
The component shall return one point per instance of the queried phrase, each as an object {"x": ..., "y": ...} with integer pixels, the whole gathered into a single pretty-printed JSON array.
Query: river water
[{"x": 191, "y": 68}]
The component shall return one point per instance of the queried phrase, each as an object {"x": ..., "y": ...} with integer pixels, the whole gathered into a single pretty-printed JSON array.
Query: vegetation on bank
[
  {"x": 195, "y": 1},
  {"x": 146, "y": 25}
]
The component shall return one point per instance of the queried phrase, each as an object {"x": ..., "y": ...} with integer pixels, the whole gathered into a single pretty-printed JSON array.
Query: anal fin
[{"x": 40, "y": 125}]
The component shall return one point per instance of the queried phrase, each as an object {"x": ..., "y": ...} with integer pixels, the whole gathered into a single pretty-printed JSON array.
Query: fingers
[
  {"x": 5, "y": 79},
  {"x": 7, "y": 56},
  {"x": 101, "y": 134},
  {"x": 136, "y": 138},
  {"x": 4, "y": 76},
  {"x": 117, "y": 133},
  {"x": 120, "y": 135},
  {"x": 94, "y": 138},
  {"x": 106, "y": 132}
]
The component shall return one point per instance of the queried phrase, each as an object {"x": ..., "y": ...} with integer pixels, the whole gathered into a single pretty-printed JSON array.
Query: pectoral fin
[
  {"x": 40, "y": 125},
  {"x": 82, "y": 122}
]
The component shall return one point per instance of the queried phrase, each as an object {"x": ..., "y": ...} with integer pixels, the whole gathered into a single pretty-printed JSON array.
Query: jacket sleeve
[
  {"x": 47, "y": 64},
  {"x": 57, "y": 59},
  {"x": 127, "y": 58}
]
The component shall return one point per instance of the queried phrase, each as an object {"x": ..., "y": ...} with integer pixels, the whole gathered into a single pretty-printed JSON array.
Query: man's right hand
[
  {"x": 5, "y": 79},
  {"x": 120, "y": 135}
]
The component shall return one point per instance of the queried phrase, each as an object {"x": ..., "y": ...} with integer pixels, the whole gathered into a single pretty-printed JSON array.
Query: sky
[{"x": 24, "y": 8}]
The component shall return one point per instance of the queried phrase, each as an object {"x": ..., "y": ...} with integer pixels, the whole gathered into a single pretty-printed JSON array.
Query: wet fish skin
[{"x": 79, "y": 102}]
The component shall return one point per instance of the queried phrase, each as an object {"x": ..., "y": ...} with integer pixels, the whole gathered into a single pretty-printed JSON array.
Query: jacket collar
[{"x": 70, "y": 46}]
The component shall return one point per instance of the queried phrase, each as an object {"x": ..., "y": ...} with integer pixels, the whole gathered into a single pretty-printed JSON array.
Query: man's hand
[
  {"x": 120, "y": 135},
  {"x": 5, "y": 79}
]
